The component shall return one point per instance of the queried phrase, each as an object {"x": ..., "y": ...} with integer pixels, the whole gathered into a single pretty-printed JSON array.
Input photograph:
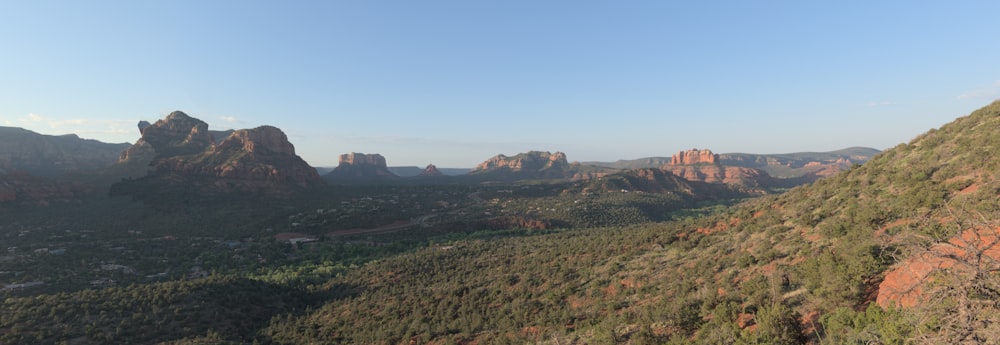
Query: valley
[{"x": 236, "y": 240}]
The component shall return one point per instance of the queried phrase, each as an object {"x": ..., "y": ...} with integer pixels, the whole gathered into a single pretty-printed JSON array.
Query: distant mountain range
[
  {"x": 785, "y": 165},
  {"x": 179, "y": 153},
  {"x": 28, "y": 152}
]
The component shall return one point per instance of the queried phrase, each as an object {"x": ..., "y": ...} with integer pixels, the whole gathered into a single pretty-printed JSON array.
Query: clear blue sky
[{"x": 456, "y": 82}]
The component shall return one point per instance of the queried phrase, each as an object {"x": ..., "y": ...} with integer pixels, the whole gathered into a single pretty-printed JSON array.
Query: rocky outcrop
[
  {"x": 910, "y": 283},
  {"x": 533, "y": 160},
  {"x": 694, "y": 156},
  {"x": 264, "y": 140},
  {"x": 181, "y": 149},
  {"x": 361, "y": 159},
  {"x": 704, "y": 166},
  {"x": 251, "y": 156},
  {"x": 431, "y": 170},
  {"x": 720, "y": 174},
  {"x": 361, "y": 168},
  {"x": 534, "y": 165},
  {"x": 178, "y": 134}
]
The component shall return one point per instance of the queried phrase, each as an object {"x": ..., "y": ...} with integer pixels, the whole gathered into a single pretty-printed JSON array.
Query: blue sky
[{"x": 455, "y": 82}]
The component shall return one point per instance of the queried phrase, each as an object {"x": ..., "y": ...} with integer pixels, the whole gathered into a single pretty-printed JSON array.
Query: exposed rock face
[
  {"x": 361, "y": 159},
  {"x": 143, "y": 124},
  {"x": 704, "y": 166},
  {"x": 534, "y": 165},
  {"x": 259, "y": 159},
  {"x": 719, "y": 174},
  {"x": 431, "y": 170},
  {"x": 178, "y": 134},
  {"x": 908, "y": 284},
  {"x": 694, "y": 156},
  {"x": 265, "y": 140},
  {"x": 533, "y": 160},
  {"x": 262, "y": 154},
  {"x": 138, "y": 152},
  {"x": 361, "y": 168}
]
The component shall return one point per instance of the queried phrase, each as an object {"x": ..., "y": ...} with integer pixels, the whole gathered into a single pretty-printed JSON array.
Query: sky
[{"x": 453, "y": 83}]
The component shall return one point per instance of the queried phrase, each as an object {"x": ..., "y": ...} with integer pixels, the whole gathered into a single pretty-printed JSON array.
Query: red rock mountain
[
  {"x": 177, "y": 134},
  {"x": 534, "y": 165},
  {"x": 694, "y": 156},
  {"x": 533, "y": 160},
  {"x": 431, "y": 170},
  {"x": 262, "y": 154},
  {"x": 703, "y": 166},
  {"x": 359, "y": 167},
  {"x": 361, "y": 159},
  {"x": 256, "y": 159}
]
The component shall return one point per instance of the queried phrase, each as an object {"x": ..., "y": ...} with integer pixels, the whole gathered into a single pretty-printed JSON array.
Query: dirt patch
[
  {"x": 969, "y": 190},
  {"x": 906, "y": 285}
]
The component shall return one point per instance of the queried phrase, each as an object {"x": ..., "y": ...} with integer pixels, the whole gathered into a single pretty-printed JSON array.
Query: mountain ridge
[{"x": 22, "y": 150}]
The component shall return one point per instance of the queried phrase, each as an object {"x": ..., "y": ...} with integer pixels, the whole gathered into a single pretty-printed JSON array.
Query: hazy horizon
[{"x": 453, "y": 83}]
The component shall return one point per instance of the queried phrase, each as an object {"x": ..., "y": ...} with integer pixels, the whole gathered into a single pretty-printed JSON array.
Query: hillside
[
  {"x": 804, "y": 266},
  {"x": 899, "y": 250},
  {"x": 28, "y": 152}
]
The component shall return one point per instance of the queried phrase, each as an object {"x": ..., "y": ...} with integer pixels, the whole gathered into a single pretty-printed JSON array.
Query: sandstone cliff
[
  {"x": 261, "y": 155},
  {"x": 533, "y": 160},
  {"x": 181, "y": 149},
  {"x": 360, "y": 168},
  {"x": 534, "y": 165},
  {"x": 704, "y": 166},
  {"x": 694, "y": 156}
]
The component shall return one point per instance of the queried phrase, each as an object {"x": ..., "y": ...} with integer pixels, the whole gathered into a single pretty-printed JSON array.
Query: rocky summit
[
  {"x": 694, "y": 156},
  {"x": 258, "y": 159},
  {"x": 359, "y": 167},
  {"x": 431, "y": 170},
  {"x": 704, "y": 166}
]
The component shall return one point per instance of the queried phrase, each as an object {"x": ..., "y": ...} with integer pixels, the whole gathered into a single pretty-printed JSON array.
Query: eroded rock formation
[
  {"x": 694, "y": 156},
  {"x": 255, "y": 159},
  {"x": 533, "y": 160},
  {"x": 431, "y": 170}
]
